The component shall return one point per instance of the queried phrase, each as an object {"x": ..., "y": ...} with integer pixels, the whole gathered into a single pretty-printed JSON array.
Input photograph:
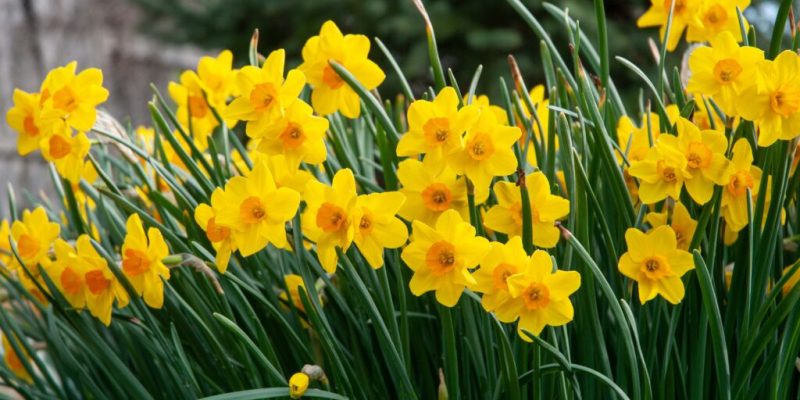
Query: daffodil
[
  {"x": 73, "y": 98},
  {"x": 102, "y": 286},
  {"x": 265, "y": 93},
  {"x": 195, "y": 103},
  {"x": 484, "y": 105},
  {"x": 328, "y": 218},
  {"x": 25, "y": 118},
  {"x": 723, "y": 71},
  {"x": 500, "y": 263},
  {"x": 442, "y": 256},
  {"x": 256, "y": 210},
  {"x": 661, "y": 173},
  {"x": 297, "y": 134},
  {"x": 142, "y": 264},
  {"x": 704, "y": 151},
  {"x": 436, "y": 128},
  {"x": 219, "y": 235},
  {"x": 377, "y": 226},
  {"x": 34, "y": 235},
  {"x": 542, "y": 295},
  {"x": 218, "y": 76},
  {"x": 774, "y": 104},
  {"x": 430, "y": 193},
  {"x": 539, "y": 123},
  {"x": 330, "y": 92},
  {"x": 717, "y": 17},
  {"x": 654, "y": 261},
  {"x": 546, "y": 209},
  {"x": 635, "y": 141},
  {"x": 487, "y": 151},
  {"x": 684, "y": 14},
  {"x": 744, "y": 176},
  {"x": 68, "y": 272},
  {"x": 298, "y": 384},
  {"x": 12, "y": 359},
  {"x": 6, "y": 257},
  {"x": 682, "y": 223},
  {"x": 67, "y": 153}
]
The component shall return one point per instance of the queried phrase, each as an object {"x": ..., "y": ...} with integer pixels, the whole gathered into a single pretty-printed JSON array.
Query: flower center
[
  {"x": 29, "y": 126},
  {"x": 59, "y": 147},
  {"x": 698, "y": 156},
  {"x": 727, "y": 70},
  {"x": 480, "y": 147},
  {"x": 198, "y": 106},
  {"x": 437, "y": 197},
  {"x": 441, "y": 257},
  {"x": 28, "y": 246},
  {"x": 740, "y": 182},
  {"x": 655, "y": 268},
  {"x": 331, "y": 218},
  {"x": 536, "y": 296},
  {"x": 365, "y": 225},
  {"x": 216, "y": 233},
  {"x": 715, "y": 17},
  {"x": 331, "y": 78},
  {"x": 437, "y": 131},
  {"x": 500, "y": 275},
  {"x": 71, "y": 281},
  {"x": 680, "y": 6},
  {"x": 135, "y": 262},
  {"x": 64, "y": 99},
  {"x": 252, "y": 210},
  {"x": 292, "y": 136},
  {"x": 785, "y": 102},
  {"x": 262, "y": 96},
  {"x": 667, "y": 173},
  {"x": 97, "y": 282}
]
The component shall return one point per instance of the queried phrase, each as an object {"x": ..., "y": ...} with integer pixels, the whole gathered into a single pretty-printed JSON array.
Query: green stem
[{"x": 450, "y": 354}]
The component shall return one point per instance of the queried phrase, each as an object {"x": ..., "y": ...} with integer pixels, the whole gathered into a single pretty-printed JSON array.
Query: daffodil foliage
[{"x": 288, "y": 230}]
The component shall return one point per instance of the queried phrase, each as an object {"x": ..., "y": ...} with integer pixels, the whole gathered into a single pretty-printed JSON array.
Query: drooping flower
[
  {"x": 442, "y": 256},
  {"x": 774, "y": 104},
  {"x": 73, "y": 98},
  {"x": 661, "y": 173},
  {"x": 265, "y": 94},
  {"x": 724, "y": 71},
  {"x": 219, "y": 235},
  {"x": 256, "y": 210},
  {"x": 142, "y": 264},
  {"x": 654, "y": 261},
  {"x": 487, "y": 151},
  {"x": 328, "y": 216},
  {"x": 704, "y": 151},
  {"x": 546, "y": 209},
  {"x": 542, "y": 295},
  {"x": 377, "y": 226},
  {"x": 500, "y": 263},
  {"x": 436, "y": 128},
  {"x": 330, "y": 92},
  {"x": 682, "y": 223},
  {"x": 298, "y": 384},
  {"x": 429, "y": 194},
  {"x": 297, "y": 134},
  {"x": 67, "y": 152},
  {"x": 34, "y": 235}
]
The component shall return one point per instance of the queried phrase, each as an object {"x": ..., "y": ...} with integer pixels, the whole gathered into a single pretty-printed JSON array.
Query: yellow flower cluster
[
  {"x": 55, "y": 120},
  {"x": 702, "y": 20}
]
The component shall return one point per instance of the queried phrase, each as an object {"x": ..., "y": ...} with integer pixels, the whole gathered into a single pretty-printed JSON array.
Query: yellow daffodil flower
[
  {"x": 298, "y": 384},
  {"x": 142, "y": 264},
  {"x": 219, "y": 235},
  {"x": 330, "y": 92},
  {"x": 67, "y": 152},
  {"x": 744, "y": 176},
  {"x": 73, "y": 98},
  {"x": 542, "y": 295},
  {"x": 502, "y": 262},
  {"x": 68, "y": 273},
  {"x": 12, "y": 360},
  {"x": 297, "y": 134},
  {"x": 717, "y": 17},
  {"x": 435, "y": 128},
  {"x": 377, "y": 226},
  {"x": 265, "y": 94},
  {"x": 482, "y": 102},
  {"x": 328, "y": 218},
  {"x": 654, "y": 261},
  {"x": 25, "y": 118},
  {"x": 34, "y": 235},
  {"x": 661, "y": 173},
  {"x": 546, "y": 209},
  {"x": 682, "y": 223},
  {"x": 102, "y": 286},
  {"x": 685, "y": 14},
  {"x": 724, "y": 71},
  {"x": 428, "y": 193},
  {"x": 487, "y": 151},
  {"x": 256, "y": 210},
  {"x": 441, "y": 257}
]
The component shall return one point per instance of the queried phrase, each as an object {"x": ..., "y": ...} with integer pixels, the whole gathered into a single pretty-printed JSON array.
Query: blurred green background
[{"x": 469, "y": 32}]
